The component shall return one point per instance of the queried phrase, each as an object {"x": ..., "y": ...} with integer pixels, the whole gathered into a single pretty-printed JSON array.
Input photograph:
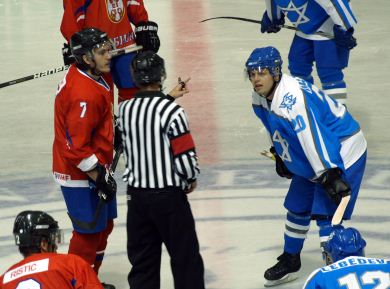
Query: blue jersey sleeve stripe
[
  {"x": 345, "y": 13},
  {"x": 317, "y": 140},
  {"x": 321, "y": 149},
  {"x": 83, "y": 8}
]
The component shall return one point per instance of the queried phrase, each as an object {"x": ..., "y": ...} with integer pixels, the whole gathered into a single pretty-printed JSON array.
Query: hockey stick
[
  {"x": 91, "y": 225},
  {"x": 113, "y": 53},
  {"x": 259, "y": 22},
  {"x": 267, "y": 154},
  {"x": 338, "y": 215}
]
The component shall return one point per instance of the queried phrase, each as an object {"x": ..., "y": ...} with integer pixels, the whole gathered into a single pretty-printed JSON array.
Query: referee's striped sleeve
[{"x": 183, "y": 147}]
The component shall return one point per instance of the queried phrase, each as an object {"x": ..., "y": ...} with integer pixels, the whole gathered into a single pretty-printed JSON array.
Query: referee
[{"x": 161, "y": 169}]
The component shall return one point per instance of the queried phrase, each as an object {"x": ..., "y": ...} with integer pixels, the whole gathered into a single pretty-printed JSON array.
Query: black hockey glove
[
  {"x": 67, "y": 55},
  {"x": 146, "y": 35},
  {"x": 105, "y": 183},
  {"x": 334, "y": 185},
  {"x": 271, "y": 26},
  {"x": 344, "y": 38},
  {"x": 281, "y": 168},
  {"x": 118, "y": 145}
]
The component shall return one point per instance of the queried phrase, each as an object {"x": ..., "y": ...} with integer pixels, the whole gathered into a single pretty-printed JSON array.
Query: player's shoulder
[
  {"x": 258, "y": 100},
  {"x": 311, "y": 280},
  {"x": 40, "y": 261},
  {"x": 59, "y": 259},
  {"x": 16, "y": 265},
  {"x": 68, "y": 256},
  {"x": 293, "y": 85},
  {"x": 167, "y": 103},
  {"x": 81, "y": 81}
]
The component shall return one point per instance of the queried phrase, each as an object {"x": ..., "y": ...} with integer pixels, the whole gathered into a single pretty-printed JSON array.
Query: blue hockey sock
[
  {"x": 325, "y": 228},
  {"x": 297, "y": 226},
  {"x": 333, "y": 83}
]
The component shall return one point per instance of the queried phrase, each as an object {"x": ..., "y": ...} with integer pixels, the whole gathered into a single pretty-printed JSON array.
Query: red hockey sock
[
  {"x": 85, "y": 245},
  {"x": 102, "y": 246}
]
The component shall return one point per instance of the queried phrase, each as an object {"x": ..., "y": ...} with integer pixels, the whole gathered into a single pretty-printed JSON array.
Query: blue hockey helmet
[
  {"x": 344, "y": 242},
  {"x": 265, "y": 57}
]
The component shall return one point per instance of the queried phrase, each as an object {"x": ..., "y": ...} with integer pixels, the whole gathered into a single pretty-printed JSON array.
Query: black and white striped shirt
[{"x": 158, "y": 148}]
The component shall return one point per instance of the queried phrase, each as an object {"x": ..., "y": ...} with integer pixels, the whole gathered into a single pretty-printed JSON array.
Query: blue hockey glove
[
  {"x": 280, "y": 167},
  {"x": 335, "y": 187},
  {"x": 146, "y": 35},
  {"x": 344, "y": 38},
  {"x": 271, "y": 26},
  {"x": 105, "y": 183}
]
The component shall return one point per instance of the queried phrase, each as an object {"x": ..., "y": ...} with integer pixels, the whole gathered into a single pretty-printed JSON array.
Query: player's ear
[
  {"x": 44, "y": 246},
  {"x": 87, "y": 59}
]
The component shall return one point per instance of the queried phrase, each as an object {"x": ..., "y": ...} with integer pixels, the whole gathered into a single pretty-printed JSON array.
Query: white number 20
[
  {"x": 378, "y": 278},
  {"x": 83, "y": 105}
]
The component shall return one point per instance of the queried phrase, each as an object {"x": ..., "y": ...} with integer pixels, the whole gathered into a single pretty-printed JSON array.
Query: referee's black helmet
[{"x": 148, "y": 68}]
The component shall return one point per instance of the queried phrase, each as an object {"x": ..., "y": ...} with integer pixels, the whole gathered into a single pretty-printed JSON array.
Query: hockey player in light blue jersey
[
  {"x": 316, "y": 143},
  {"x": 347, "y": 266},
  {"x": 334, "y": 17}
]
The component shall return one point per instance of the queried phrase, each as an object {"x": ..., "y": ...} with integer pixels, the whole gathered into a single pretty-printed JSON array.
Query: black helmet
[
  {"x": 31, "y": 226},
  {"x": 84, "y": 41},
  {"x": 147, "y": 68}
]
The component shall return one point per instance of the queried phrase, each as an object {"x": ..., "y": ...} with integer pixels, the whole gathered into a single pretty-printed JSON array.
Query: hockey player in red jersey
[
  {"x": 83, "y": 144},
  {"x": 37, "y": 235},
  {"x": 115, "y": 17}
]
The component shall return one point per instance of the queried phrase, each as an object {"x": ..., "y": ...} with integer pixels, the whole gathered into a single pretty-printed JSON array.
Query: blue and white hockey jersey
[
  {"x": 310, "y": 16},
  {"x": 351, "y": 272},
  {"x": 310, "y": 131}
]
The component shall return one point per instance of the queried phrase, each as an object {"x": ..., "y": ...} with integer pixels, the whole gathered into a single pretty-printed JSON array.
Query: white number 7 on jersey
[{"x": 83, "y": 104}]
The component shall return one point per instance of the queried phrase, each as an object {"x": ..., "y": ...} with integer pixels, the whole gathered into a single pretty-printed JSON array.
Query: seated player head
[
  {"x": 264, "y": 69},
  {"x": 91, "y": 49},
  {"x": 36, "y": 232},
  {"x": 342, "y": 243},
  {"x": 148, "y": 69}
]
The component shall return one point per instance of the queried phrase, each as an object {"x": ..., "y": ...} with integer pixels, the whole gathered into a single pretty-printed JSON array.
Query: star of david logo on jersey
[
  {"x": 288, "y": 101},
  {"x": 295, "y": 14}
]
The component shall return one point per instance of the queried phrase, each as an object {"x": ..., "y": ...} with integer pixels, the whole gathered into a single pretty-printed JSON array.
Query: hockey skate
[
  {"x": 108, "y": 286},
  {"x": 286, "y": 270}
]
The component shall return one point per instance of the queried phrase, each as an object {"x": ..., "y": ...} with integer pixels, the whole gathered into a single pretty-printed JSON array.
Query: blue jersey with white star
[
  {"x": 310, "y": 131},
  {"x": 351, "y": 272},
  {"x": 311, "y": 15}
]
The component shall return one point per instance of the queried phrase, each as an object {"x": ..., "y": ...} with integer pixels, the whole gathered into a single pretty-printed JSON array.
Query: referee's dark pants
[{"x": 162, "y": 216}]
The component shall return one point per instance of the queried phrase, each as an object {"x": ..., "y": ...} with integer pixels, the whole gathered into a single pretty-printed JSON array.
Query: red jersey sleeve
[
  {"x": 73, "y": 18},
  {"x": 136, "y": 11}
]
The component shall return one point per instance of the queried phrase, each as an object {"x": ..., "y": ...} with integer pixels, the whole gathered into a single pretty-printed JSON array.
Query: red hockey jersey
[
  {"x": 111, "y": 16},
  {"x": 83, "y": 124},
  {"x": 50, "y": 271}
]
